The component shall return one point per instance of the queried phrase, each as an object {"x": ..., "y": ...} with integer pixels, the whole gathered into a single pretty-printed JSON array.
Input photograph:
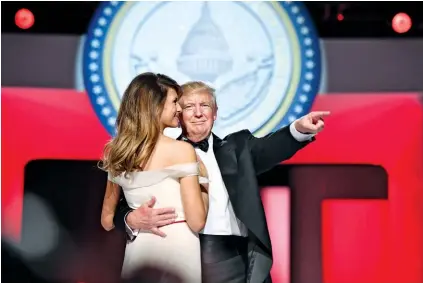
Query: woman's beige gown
[{"x": 179, "y": 252}]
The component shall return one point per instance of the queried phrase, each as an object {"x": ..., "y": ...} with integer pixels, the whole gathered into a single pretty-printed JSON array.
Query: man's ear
[{"x": 215, "y": 113}]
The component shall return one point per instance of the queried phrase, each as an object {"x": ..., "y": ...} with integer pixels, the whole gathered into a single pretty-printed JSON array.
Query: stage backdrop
[
  {"x": 356, "y": 194},
  {"x": 346, "y": 209}
]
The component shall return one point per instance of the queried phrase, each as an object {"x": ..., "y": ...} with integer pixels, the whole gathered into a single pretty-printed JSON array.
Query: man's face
[{"x": 198, "y": 114}]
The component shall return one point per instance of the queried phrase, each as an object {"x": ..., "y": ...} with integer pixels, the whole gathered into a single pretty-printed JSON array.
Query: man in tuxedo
[{"x": 235, "y": 243}]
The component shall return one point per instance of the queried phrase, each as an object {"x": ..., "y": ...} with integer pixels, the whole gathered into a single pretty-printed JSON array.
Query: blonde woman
[{"x": 144, "y": 162}]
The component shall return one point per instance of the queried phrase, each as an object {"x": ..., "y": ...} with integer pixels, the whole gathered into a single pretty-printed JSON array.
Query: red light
[
  {"x": 401, "y": 23},
  {"x": 340, "y": 17},
  {"x": 24, "y": 19}
]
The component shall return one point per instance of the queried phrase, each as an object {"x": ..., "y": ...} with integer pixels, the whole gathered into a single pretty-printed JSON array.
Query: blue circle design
[
  {"x": 307, "y": 89},
  {"x": 311, "y": 68},
  {"x": 92, "y": 63}
]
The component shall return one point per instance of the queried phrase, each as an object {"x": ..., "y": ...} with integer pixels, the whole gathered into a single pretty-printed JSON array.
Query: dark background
[
  {"x": 361, "y": 19},
  {"x": 363, "y": 54},
  {"x": 73, "y": 191}
]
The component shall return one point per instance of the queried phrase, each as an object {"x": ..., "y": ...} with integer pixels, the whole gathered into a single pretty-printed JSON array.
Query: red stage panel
[
  {"x": 42, "y": 124},
  {"x": 384, "y": 130},
  {"x": 276, "y": 205},
  {"x": 362, "y": 225}
]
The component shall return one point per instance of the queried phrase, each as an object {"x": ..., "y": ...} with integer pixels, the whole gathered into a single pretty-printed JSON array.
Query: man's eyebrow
[{"x": 193, "y": 103}]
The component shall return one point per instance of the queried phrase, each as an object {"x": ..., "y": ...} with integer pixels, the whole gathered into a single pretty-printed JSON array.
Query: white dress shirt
[{"x": 221, "y": 219}]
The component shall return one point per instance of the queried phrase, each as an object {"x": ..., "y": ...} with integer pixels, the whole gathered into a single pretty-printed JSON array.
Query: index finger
[
  {"x": 319, "y": 114},
  {"x": 161, "y": 211}
]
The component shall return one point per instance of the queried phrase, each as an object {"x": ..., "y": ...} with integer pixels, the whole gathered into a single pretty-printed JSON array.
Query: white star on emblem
[
  {"x": 111, "y": 121},
  {"x": 101, "y": 100},
  {"x": 309, "y": 76},
  {"x": 95, "y": 43},
  {"x": 298, "y": 109},
  {"x": 303, "y": 98},
  {"x": 106, "y": 111},
  {"x": 97, "y": 89},
  {"x": 102, "y": 21},
  {"x": 93, "y": 67},
  {"x": 291, "y": 119},
  {"x": 294, "y": 9},
  {"x": 98, "y": 32},
  {"x": 300, "y": 20},
  {"x": 107, "y": 11},
  {"x": 93, "y": 54},
  {"x": 307, "y": 41},
  {"x": 310, "y": 64},
  {"x": 94, "y": 78},
  {"x": 309, "y": 53},
  {"x": 304, "y": 30},
  {"x": 306, "y": 87}
]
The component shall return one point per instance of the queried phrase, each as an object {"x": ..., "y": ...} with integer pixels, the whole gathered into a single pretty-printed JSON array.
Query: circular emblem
[{"x": 263, "y": 58}]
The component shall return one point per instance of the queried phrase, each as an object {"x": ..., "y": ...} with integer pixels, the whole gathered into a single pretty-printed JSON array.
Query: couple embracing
[{"x": 192, "y": 205}]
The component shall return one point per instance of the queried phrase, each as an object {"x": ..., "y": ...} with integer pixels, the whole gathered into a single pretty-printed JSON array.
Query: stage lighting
[
  {"x": 24, "y": 18},
  {"x": 401, "y": 23}
]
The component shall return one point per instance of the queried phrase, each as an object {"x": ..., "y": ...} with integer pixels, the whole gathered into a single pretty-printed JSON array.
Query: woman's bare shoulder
[{"x": 181, "y": 151}]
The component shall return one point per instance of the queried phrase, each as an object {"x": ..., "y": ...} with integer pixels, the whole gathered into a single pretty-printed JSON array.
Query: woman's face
[{"x": 171, "y": 110}]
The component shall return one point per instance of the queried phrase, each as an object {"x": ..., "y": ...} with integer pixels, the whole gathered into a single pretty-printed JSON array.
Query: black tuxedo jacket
[{"x": 241, "y": 157}]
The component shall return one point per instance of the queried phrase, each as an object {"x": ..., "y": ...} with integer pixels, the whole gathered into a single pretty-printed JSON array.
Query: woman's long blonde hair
[{"x": 138, "y": 124}]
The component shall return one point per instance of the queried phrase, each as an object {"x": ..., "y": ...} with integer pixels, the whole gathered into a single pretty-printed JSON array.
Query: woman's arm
[
  {"x": 193, "y": 199},
  {"x": 204, "y": 186},
  {"x": 111, "y": 198},
  {"x": 121, "y": 213}
]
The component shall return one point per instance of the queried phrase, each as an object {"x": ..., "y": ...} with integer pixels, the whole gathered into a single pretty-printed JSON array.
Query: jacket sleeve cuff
[
  {"x": 300, "y": 137},
  {"x": 131, "y": 233}
]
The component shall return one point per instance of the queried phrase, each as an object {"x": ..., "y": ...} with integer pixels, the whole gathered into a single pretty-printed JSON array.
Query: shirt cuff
[
  {"x": 300, "y": 137},
  {"x": 131, "y": 233}
]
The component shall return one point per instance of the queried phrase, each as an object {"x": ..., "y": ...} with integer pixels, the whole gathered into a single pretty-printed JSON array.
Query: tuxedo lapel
[
  {"x": 228, "y": 165},
  {"x": 225, "y": 156}
]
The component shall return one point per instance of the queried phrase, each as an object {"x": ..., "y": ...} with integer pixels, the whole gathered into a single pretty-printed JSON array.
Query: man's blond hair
[{"x": 196, "y": 87}]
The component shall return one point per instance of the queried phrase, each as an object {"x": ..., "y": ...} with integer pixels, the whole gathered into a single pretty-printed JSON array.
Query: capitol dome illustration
[{"x": 205, "y": 51}]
